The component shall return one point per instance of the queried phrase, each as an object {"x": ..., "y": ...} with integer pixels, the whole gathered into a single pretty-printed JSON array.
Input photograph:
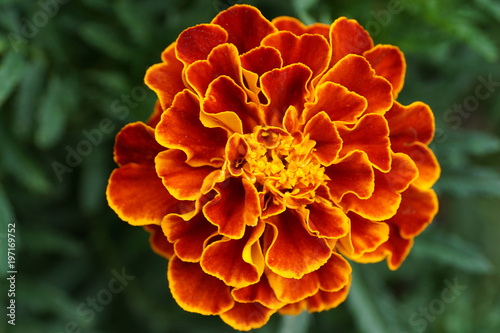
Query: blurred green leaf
[
  {"x": 106, "y": 39},
  {"x": 295, "y": 324},
  {"x": 491, "y": 7},
  {"x": 12, "y": 69},
  {"x": 473, "y": 181},
  {"x": 452, "y": 250},
  {"x": 47, "y": 241}
]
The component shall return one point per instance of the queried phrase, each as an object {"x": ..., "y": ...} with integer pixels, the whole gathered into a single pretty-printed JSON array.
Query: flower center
[{"x": 280, "y": 163}]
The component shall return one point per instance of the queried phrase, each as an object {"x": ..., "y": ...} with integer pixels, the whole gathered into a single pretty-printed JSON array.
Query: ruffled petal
[
  {"x": 386, "y": 197},
  {"x": 260, "y": 292},
  {"x": 181, "y": 128},
  {"x": 284, "y": 87},
  {"x": 348, "y": 106},
  {"x": 225, "y": 96},
  {"x": 418, "y": 208},
  {"x": 190, "y": 236},
  {"x": 181, "y": 180},
  {"x": 155, "y": 117},
  {"x": 239, "y": 263},
  {"x": 262, "y": 59},
  {"x": 388, "y": 61},
  {"x": 324, "y": 132},
  {"x": 137, "y": 195},
  {"x": 355, "y": 73},
  {"x": 159, "y": 242},
  {"x": 326, "y": 300},
  {"x": 286, "y": 23},
  {"x": 325, "y": 220},
  {"x": 364, "y": 236},
  {"x": 235, "y": 206},
  {"x": 197, "y": 42},
  {"x": 135, "y": 143},
  {"x": 409, "y": 124},
  {"x": 223, "y": 60},
  {"x": 247, "y": 316},
  {"x": 165, "y": 80},
  {"x": 236, "y": 151},
  {"x": 307, "y": 254},
  {"x": 237, "y": 21},
  {"x": 371, "y": 135},
  {"x": 426, "y": 162},
  {"x": 346, "y": 37},
  {"x": 352, "y": 174},
  {"x": 196, "y": 291},
  {"x": 297, "y": 49}
]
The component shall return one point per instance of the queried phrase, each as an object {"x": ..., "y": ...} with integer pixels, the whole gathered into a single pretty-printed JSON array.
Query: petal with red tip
[
  {"x": 297, "y": 49},
  {"x": 388, "y": 61},
  {"x": 346, "y": 37},
  {"x": 189, "y": 237},
  {"x": 223, "y": 96},
  {"x": 180, "y": 127},
  {"x": 182, "y": 181},
  {"x": 262, "y": 59},
  {"x": 339, "y": 103},
  {"x": 353, "y": 174},
  {"x": 307, "y": 254},
  {"x": 411, "y": 123},
  {"x": 235, "y": 206},
  {"x": 324, "y": 132},
  {"x": 247, "y": 316},
  {"x": 418, "y": 208},
  {"x": 137, "y": 195},
  {"x": 259, "y": 292},
  {"x": 371, "y": 135},
  {"x": 135, "y": 143},
  {"x": 325, "y": 220},
  {"x": 286, "y": 23},
  {"x": 197, "y": 42},
  {"x": 365, "y": 236},
  {"x": 223, "y": 60},
  {"x": 159, "y": 243},
  {"x": 284, "y": 87},
  {"x": 355, "y": 73},
  {"x": 239, "y": 21},
  {"x": 196, "y": 291}
]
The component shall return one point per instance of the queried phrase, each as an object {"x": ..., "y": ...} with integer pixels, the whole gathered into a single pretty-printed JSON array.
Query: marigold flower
[{"x": 270, "y": 158}]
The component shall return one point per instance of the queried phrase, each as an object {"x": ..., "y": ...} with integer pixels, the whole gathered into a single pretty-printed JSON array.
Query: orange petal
[
  {"x": 159, "y": 243},
  {"x": 236, "y": 151},
  {"x": 189, "y": 237},
  {"x": 235, "y": 206},
  {"x": 262, "y": 59},
  {"x": 224, "y": 95},
  {"x": 155, "y": 117},
  {"x": 347, "y": 105},
  {"x": 371, "y": 135},
  {"x": 135, "y": 143},
  {"x": 353, "y": 174},
  {"x": 239, "y": 263},
  {"x": 355, "y": 73},
  {"x": 165, "y": 80},
  {"x": 181, "y": 128},
  {"x": 284, "y": 87},
  {"x": 346, "y": 37},
  {"x": 223, "y": 60},
  {"x": 325, "y": 300},
  {"x": 286, "y": 23},
  {"x": 181, "y": 180},
  {"x": 328, "y": 143},
  {"x": 385, "y": 199},
  {"x": 237, "y": 20},
  {"x": 297, "y": 49},
  {"x": 409, "y": 124},
  {"x": 197, "y": 42},
  {"x": 325, "y": 220},
  {"x": 365, "y": 236},
  {"x": 388, "y": 61},
  {"x": 427, "y": 164},
  {"x": 332, "y": 276},
  {"x": 270, "y": 205},
  {"x": 196, "y": 291},
  {"x": 137, "y": 195},
  {"x": 307, "y": 254},
  {"x": 260, "y": 292},
  {"x": 247, "y": 316},
  {"x": 418, "y": 208}
]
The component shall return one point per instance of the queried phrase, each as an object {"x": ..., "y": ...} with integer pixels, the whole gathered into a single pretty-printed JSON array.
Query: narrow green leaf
[
  {"x": 105, "y": 39},
  {"x": 474, "y": 181},
  {"x": 47, "y": 241},
  {"x": 295, "y": 324},
  {"x": 491, "y": 7},
  {"x": 12, "y": 69},
  {"x": 452, "y": 250}
]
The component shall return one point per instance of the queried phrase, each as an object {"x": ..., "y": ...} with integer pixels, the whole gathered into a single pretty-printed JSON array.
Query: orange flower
[{"x": 275, "y": 151}]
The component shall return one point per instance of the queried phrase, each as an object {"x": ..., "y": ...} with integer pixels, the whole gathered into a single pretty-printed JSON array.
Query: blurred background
[{"x": 71, "y": 75}]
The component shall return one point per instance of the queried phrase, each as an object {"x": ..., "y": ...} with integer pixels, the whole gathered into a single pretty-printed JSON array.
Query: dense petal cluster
[{"x": 275, "y": 151}]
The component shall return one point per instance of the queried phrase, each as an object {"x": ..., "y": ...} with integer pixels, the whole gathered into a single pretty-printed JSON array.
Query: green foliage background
[{"x": 63, "y": 77}]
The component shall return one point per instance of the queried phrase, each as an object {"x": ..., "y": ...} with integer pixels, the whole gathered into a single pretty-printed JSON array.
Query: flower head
[{"x": 270, "y": 158}]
